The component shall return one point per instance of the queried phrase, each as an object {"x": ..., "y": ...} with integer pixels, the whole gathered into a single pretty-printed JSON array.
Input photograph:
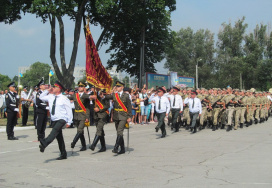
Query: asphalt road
[{"x": 241, "y": 158}]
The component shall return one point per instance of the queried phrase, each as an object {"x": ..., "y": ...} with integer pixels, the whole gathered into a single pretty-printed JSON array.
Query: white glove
[
  {"x": 16, "y": 109},
  {"x": 47, "y": 108}
]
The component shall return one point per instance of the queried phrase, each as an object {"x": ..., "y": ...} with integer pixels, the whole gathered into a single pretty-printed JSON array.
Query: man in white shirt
[
  {"x": 195, "y": 109},
  {"x": 176, "y": 107},
  {"x": 61, "y": 114},
  {"x": 25, "y": 109},
  {"x": 162, "y": 107}
]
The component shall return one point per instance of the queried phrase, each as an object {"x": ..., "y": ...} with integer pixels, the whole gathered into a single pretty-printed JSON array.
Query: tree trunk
[{"x": 66, "y": 76}]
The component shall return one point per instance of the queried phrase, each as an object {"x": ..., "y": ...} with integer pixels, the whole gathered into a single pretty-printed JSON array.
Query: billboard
[
  {"x": 153, "y": 80},
  {"x": 186, "y": 81}
]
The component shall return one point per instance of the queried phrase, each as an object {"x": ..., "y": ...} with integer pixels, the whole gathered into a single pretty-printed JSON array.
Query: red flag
[{"x": 96, "y": 74}]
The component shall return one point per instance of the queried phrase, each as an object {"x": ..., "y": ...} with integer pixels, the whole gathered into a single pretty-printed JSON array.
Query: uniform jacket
[
  {"x": 12, "y": 99},
  {"x": 102, "y": 112},
  {"x": 120, "y": 115},
  {"x": 86, "y": 102},
  {"x": 41, "y": 105}
]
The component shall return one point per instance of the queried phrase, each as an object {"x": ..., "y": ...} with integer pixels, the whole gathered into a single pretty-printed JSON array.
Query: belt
[
  {"x": 79, "y": 111},
  {"x": 118, "y": 110}
]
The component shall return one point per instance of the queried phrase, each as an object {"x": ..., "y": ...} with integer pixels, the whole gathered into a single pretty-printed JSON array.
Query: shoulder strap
[
  {"x": 120, "y": 102},
  {"x": 80, "y": 103}
]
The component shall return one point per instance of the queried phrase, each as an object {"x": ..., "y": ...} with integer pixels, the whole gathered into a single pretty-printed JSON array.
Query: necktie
[
  {"x": 174, "y": 100},
  {"x": 160, "y": 104},
  {"x": 193, "y": 103},
  {"x": 54, "y": 106}
]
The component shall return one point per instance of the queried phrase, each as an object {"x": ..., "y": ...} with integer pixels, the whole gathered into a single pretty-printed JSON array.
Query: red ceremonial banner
[{"x": 96, "y": 74}]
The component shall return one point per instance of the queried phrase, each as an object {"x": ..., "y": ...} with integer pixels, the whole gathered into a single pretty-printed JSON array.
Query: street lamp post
[
  {"x": 197, "y": 73},
  {"x": 142, "y": 56}
]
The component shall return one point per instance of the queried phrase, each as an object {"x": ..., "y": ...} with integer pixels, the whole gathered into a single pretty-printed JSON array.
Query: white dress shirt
[
  {"x": 165, "y": 105},
  {"x": 24, "y": 96},
  {"x": 63, "y": 108},
  {"x": 178, "y": 102},
  {"x": 197, "y": 105}
]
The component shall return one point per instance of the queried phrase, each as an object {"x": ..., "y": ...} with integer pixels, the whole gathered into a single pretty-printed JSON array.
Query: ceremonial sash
[
  {"x": 120, "y": 102},
  {"x": 80, "y": 103},
  {"x": 100, "y": 105}
]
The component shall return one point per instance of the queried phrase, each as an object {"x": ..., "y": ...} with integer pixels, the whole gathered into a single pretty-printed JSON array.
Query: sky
[{"x": 28, "y": 40}]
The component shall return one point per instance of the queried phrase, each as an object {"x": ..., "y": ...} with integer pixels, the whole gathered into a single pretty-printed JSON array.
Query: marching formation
[{"x": 177, "y": 107}]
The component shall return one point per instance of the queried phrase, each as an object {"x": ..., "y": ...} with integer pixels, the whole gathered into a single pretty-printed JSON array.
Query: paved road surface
[{"x": 241, "y": 158}]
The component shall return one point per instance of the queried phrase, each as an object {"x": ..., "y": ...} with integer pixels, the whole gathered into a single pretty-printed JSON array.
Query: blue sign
[{"x": 159, "y": 80}]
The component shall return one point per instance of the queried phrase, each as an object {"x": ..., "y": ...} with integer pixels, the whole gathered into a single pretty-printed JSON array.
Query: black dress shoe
[
  {"x": 83, "y": 148},
  {"x": 41, "y": 148},
  {"x": 62, "y": 157},
  {"x": 163, "y": 136},
  {"x": 13, "y": 138},
  {"x": 157, "y": 129},
  {"x": 122, "y": 151},
  {"x": 103, "y": 149}
]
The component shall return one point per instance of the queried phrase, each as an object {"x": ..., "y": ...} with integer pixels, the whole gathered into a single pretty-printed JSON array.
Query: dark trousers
[
  {"x": 35, "y": 115},
  {"x": 193, "y": 117},
  {"x": 56, "y": 133},
  {"x": 120, "y": 126},
  {"x": 91, "y": 114},
  {"x": 175, "y": 114},
  {"x": 41, "y": 122},
  {"x": 11, "y": 122},
  {"x": 25, "y": 115},
  {"x": 100, "y": 122},
  {"x": 161, "y": 123}
]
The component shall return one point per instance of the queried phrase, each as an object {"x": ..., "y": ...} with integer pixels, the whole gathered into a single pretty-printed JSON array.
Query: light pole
[{"x": 197, "y": 73}]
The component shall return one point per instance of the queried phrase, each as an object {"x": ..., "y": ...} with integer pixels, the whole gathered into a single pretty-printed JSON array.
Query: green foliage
[
  {"x": 189, "y": 49},
  {"x": 36, "y": 72},
  {"x": 4, "y": 81},
  {"x": 237, "y": 53},
  {"x": 125, "y": 33},
  {"x": 114, "y": 80},
  {"x": 126, "y": 81}
]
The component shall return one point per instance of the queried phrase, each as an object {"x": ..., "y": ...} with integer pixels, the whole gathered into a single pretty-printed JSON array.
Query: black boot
[
  {"x": 177, "y": 127},
  {"x": 63, "y": 155},
  {"x": 229, "y": 128},
  {"x": 122, "y": 144},
  {"x": 78, "y": 135},
  {"x": 213, "y": 128},
  {"x": 241, "y": 125},
  {"x": 96, "y": 139},
  {"x": 83, "y": 143},
  {"x": 194, "y": 130},
  {"x": 117, "y": 144},
  {"x": 250, "y": 123},
  {"x": 103, "y": 144}
]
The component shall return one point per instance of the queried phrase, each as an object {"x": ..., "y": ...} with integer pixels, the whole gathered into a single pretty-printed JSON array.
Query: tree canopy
[
  {"x": 121, "y": 21},
  {"x": 236, "y": 53}
]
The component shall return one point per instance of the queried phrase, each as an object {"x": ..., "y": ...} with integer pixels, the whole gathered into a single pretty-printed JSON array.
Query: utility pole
[
  {"x": 142, "y": 56},
  {"x": 197, "y": 73},
  {"x": 241, "y": 83}
]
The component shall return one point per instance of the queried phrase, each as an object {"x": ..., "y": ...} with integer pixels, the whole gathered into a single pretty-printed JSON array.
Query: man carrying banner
[
  {"x": 100, "y": 118},
  {"x": 82, "y": 113},
  {"x": 121, "y": 115}
]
